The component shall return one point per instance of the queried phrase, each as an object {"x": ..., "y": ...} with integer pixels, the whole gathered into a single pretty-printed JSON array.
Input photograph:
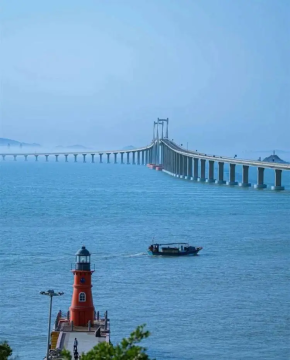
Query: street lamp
[{"x": 51, "y": 294}]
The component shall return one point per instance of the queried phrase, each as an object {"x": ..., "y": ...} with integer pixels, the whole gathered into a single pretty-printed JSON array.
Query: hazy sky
[{"x": 99, "y": 72}]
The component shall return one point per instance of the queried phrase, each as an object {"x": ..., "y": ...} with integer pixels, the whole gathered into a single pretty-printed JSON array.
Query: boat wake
[
  {"x": 113, "y": 256},
  {"x": 138, "y": 254}
]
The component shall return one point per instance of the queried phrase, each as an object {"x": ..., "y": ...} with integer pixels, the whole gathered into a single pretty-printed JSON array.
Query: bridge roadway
[
  {"x": 166, "y": 155},
  {"x": 182, "y": 163},
  {"x": 194, "y": 154}
]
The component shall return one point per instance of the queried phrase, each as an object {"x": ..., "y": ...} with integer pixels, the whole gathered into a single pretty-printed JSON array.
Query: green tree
[
  {"x": 128, "y": 349},
  {"x": 5, "y": 350}
]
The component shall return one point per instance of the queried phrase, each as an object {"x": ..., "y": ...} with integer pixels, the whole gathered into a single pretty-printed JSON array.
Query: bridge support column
[
  {"x": 202, "y": 170},
  {"x": 25, "y": 157},
  {"x": 115, "y": 158},
  {"x": 93, "y": 158},
  {"x": 56, "y": 158},
  {"x": 84, "y": 157},
  {"x": 210, "y": 172},
  {"x": 138, "y": 157},
  {"x": 195, "y": 169},
  {"x": 108, "y": 158},
  {"x": 66, "y": 155},
  {"x": 76, "y": 157},
  {"x": 260, "y": 179},
  {"x": 185, "y": 167},
  {"x": 101, "y": 158},
  {"x": 15, "y": 157},
  {"x": 46, "y": 158},
  {"x": 174, "y": 161},
  {"x": 221, "y": 180},
  {"x": 189, "y": 174},
  {"x": 180, "y": 170},
  {"x": 245, "y": 180},
  {"x": 122, "y": 158},
  {"x": 232, "y": 180},
  {"x": 3, "y": 157},
  {"x": 142, "y": 157},
  {"x": 128, "y": 158},
  {"x": 36, "y": 157},
  {"x": 133, "y": 160},
  {"x": 278, "y": 180}
]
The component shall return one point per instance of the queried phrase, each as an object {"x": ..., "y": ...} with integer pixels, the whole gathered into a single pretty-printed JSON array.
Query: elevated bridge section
[{"x": 163, "y": 154}]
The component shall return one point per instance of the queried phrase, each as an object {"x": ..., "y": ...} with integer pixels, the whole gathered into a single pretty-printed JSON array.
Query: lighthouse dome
[
  {"x": 83, "y": 259},
  {"x": 83, "y": 252}
]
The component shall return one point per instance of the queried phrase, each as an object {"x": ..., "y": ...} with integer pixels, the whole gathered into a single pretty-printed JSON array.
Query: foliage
[
  {"x": 5, "y": 350},
  {"x": 66, "y": 354},
  {"x": 126, "y": 350}
]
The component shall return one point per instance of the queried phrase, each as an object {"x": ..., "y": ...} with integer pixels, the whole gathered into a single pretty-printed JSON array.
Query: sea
[{"x": 230, "y": 302}]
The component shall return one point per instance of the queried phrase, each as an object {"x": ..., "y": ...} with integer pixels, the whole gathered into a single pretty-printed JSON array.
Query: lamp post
[{"x": 51, "y": 294}]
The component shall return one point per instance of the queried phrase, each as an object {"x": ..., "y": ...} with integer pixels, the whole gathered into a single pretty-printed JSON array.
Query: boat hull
[{"x": 180, "y": 253}]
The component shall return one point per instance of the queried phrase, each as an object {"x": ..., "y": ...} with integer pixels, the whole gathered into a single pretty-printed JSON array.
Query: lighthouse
[{"x": 82, "y": 307}]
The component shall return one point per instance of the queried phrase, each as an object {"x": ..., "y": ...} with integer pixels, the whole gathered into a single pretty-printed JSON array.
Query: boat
[{"x": 173, "y": 249}]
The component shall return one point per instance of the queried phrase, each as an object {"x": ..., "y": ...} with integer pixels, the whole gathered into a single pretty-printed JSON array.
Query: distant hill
[
  {"x": 14, "y": 143},
  {"x": 274, "y": 158},
  {"x": 129, "y": 147}
]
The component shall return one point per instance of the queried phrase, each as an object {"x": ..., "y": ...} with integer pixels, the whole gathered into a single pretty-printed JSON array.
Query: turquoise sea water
[{"x": 231, "y": 302}]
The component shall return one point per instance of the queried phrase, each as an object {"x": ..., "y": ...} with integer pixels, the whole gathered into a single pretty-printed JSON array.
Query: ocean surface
[{"x": 230, "y": 302}]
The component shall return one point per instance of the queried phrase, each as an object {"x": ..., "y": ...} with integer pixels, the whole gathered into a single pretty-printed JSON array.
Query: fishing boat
[{"x": 173, "y": 249}]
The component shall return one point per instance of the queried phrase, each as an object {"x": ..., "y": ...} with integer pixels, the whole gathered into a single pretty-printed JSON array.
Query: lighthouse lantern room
[{"x": 83, "y": 259}]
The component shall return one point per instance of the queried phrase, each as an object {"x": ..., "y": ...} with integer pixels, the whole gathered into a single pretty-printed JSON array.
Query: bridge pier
[
  {"x": 138, "y": 157},
  {"x": 174, "y": 161},
  {"x": 56, "y": 158},
  {"x": 101, "y": 158},
  {"x": 93, "y": 158},
  {"x": 189, "y": 175},
  {"x": 128, "y": 159},
  {"x": 179, "y": 168},
  {"x": 84, "y": 157},
  {"x": 3, "y": 157},
  {"x": 245, "y": 180},
  {"x": 46, "y": 158},
  {"x": 76, "y": 157},
  {"x": 36, "y": 157},
  {"x": 202, "y": 170},
  {"x": 195, "y": 169},
  {"x": 25, "y": 157},
  {"x": 232, "y": 180},
  {"x": 108, "y": 158},
  {"x": 278, "y": 180},
  {"x": 66, "y": 155},
  {"x": 115, "y": 158},
  {"x": 210, "y": 172},
  {"x": 15, "y": 157},
  {"x": 260, "y": 179},
  {"x": 221, "y": 180},
  {"x": 185, "y": 167},
  {"x": 133, "y": 159},
  {"x": 122, "y": 158},
  {"x": 142, "y": 157}
]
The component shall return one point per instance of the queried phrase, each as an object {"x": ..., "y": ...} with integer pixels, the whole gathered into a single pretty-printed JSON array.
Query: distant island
[
  {"x": 14, "y": 143},
  {"x": 274, "y": 158}
]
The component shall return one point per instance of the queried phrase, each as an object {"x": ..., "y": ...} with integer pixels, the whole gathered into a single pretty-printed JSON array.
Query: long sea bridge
[{"x": 163, "y": 154}]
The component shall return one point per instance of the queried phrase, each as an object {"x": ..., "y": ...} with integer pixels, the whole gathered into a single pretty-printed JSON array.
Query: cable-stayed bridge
[{"x": 163, "y": 154}]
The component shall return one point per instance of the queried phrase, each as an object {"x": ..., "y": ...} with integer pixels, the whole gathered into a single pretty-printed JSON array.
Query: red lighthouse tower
[{"x": 82, "y": 308}]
